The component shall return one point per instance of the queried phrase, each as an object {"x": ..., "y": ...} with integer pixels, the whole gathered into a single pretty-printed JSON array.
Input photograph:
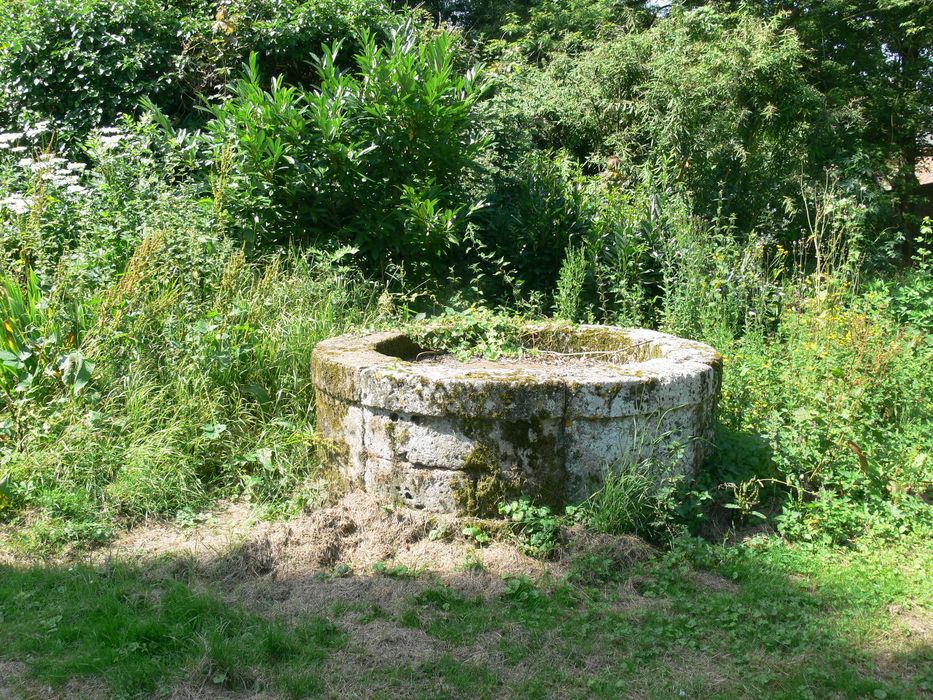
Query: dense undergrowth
[{"x": 167, "y": 270}]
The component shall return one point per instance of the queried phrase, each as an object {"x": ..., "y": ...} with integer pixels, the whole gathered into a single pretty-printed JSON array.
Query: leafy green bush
[
  {"x": 373, "y": 158},
  {"x": 537, "y": 30},
  {"x": 716, "y": 104},
  {"x": 842, "y": 398},
  {"x": 911, "y": 293},
  {"x": 285, "y": 34},
  {"x": 536, "y": 211},
  {"x": 82, "y": 62}
]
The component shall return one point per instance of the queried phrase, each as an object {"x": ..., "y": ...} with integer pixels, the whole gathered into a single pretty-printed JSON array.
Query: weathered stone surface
[{"x": 458, "y": 436}]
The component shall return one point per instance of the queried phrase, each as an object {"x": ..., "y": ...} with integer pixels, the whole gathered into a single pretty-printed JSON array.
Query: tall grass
[{"x": 182, "y": 377}]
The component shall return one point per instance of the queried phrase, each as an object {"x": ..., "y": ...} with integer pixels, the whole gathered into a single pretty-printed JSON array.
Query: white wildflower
[
  {"x": 38, "y": 128},
  {"x": 15, "y": 203},
  {"x": 109, "y": 142}
]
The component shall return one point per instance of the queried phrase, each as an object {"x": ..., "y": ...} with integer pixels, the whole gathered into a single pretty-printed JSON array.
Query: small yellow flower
[{"x": 8, "y": 326}]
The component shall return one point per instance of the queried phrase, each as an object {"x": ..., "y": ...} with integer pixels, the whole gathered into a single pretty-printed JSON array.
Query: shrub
[
  {"x": 285, "y": 34},
  {"x": 910, "y": 294},
  {"x": 717, "y": 101},
  {"x": 536, "y": 210},
  {"x": 841, "y": 398},
  {"x": 568, "y": 296},
  {"x": 82, "y": 62},
  {"x": 373, "y": 158}
]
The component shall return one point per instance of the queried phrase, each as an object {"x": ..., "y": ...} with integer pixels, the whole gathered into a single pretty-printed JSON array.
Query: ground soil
[{"x": 331, "y": 555}]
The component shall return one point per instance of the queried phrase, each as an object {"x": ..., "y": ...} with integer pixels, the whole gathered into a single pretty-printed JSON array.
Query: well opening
[{"x": 401, "y": 347}]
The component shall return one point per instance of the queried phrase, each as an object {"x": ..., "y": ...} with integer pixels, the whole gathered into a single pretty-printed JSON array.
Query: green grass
[
  {"x": 775, "y": 621},
  {"x": 137, "y": 635}
]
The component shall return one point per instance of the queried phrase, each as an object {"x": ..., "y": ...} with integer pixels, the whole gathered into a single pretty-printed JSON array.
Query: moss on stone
[
  {"x": 334, "y": 377},
  {"x": 567, "y": 338},
  {"x": 484, "y": 484},
  {"x": 534, "y": 467}
]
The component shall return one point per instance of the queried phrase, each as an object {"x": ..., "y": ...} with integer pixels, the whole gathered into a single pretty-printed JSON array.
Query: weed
[
  {"x": 473, "y": 562},
  {"x": 396, "y": 570},
  {"x": 626, "y": 503},
  {"x": 536, "y": 527},
  {"x": 477, "y": 534}
]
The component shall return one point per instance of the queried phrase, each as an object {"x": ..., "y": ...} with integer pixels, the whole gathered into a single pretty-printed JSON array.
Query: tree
[{"x": 873, "y": 62}]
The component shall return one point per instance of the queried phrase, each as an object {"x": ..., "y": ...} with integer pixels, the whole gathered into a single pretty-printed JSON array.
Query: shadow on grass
[
  {"x": 114, "y": 624},
  {"x": 772, "y": 621}
]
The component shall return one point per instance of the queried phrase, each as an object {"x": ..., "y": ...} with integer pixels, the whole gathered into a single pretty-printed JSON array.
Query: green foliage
[
  {"x": 871, "y": 62},
  {"x": 471, "y": 332},
  {"x": 285, "y": 34},
  {"x": 40, "y": 354},
  {"x": 536, "y": 527},
  {"x": 716, "y": 171},
  {"x": 540, "y": 29},
  {"x": 395, "y": 570},
  {"x": 536, "y": 212},
  {"x": 568, "y": 297},
  {"x": 631, "y": 501},
  {"x": 477, "y": 534},
  {"x": 717, "y": 107},
  {"x": 842, "y": 400},
  {"x": 374, "y": 157},
  {"x": 911, "y": 294},
  {"x": 152, "y": 364},
  {"x": 81, "y": 63}
]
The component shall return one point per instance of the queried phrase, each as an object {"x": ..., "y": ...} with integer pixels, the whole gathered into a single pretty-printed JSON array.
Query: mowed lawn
[{"x": 760, "y": 619}]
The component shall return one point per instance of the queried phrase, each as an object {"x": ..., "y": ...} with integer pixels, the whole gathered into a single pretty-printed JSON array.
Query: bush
[
  {"x": 285, "y": 34},
  {"x": 842, "y": 399},
  {"x": 374, "y": 158},
  {"x": 184, "y": 371},
  {"x": 717, "y": 102},
  {"x": 80, "y": 63}
]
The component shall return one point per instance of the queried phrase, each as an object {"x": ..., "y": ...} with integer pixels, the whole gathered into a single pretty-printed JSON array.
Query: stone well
[{"x": 450, "y": 436}]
